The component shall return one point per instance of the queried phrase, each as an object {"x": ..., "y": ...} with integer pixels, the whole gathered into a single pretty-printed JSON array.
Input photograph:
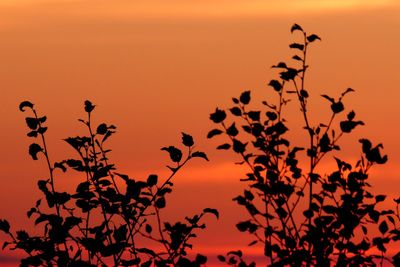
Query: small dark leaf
[
  {"x": 351, "y": 115},
  {"x": 276, "y": 85},
  {"x": 272, "y": 115},
  {"x": 325, "y": 143},
  {"x": 148, "y": 228},
  {"x": 280, "y": 65},
  {"x": 4, "y": 226},
  {"x": 311, "y": 38},
  {"x": 254, "y": 115},
  {"x": 304, "y": 93},
  {"x": 236, "y": 111},
  {"x": 42, "y": 119},
  {"x": 252, "y": 243},
  {"x": 83, "y": 187},
  {"x": 238, "y": 146},
  {"x": 221, "y": 258},
  {"x": 25, "y": 104},
  {"x": 374, "y": 215},
  {"x": 187, "y": 140},
  {"x": 32, "y": 123},
  {"x": 380, "y": 198},
  {"x": 60, "y": 165},
  {"x": 213, "y": 133},
  {"x": 246, "y": 128},
  {"x": 295, "y": 27},
  {"x": 337, "y": 107},
  {"x": 89, "y": 106},
  {"x": 383, "y": 227},
  {"x": 348, "y": 126},
  {"x": 247, "y": 226},
  {"x": 174, "y": 153},
  {"x": 218, "y": 116},
  {"x": 330, "y": 99},
  {"x": 296, "y": 57},
  {"x": 348, "y": 90},
  {"x": 297, "y": 46},
  {"x": 160, "y": 203},
  {"x": 201, "y": 259},
  {"x": 212, "y": 211},
  {"x": 245, "y": 97},
  {"x": 102, "y": 129},
  {"x": 42, "y": 130},
  {"x": 34, "y": 149},
  {"x": 232, "y": 131},
  {"x": 224, "y": 146},
  {"x": 199, "y": 154},
  {"x": 152, "y": 180},
  {"x": 32, "y": 134},
  {"x": 289, "y": 74},
  {"x": 30, "y": 212}
]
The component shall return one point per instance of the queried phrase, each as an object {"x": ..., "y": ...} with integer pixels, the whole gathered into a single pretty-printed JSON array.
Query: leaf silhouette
[
  {"x": 152, "y": 180},
  {"x": 311, "y": 38},
  {"x": 236, "y": 111},
  {"x": 24, "y": 105},
  {"x": 383, "y": 227},
  {"x": 4, "y": 226},
  {"x": 32, "y": 123},
  {"x": 224, "y": 146},
  {"x": 276, "y": 85},
  {"x": 187, "y": 140},
  {"x": 232, "y": 131},
  {"x": 212, "y": 211},
  {"x": 198, "y": 154},
  {"x": 34, "y": 149},
  {"x": 245, "y": 97},
  {"x": 89, "y": 107},
  {"x": 297, "y": 46},
  {"x": 218, "y": 116},
  {"x": 296, "y": 27},
  {"x": 213, "y": 133},
  {"x": 174, "y": 153},
  {"x": 102, "y": 129}
]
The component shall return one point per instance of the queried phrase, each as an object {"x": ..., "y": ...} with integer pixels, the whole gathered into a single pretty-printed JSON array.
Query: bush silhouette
[
  {"x": 109, "y": 215},
  {"x": 300, "y": 216}
]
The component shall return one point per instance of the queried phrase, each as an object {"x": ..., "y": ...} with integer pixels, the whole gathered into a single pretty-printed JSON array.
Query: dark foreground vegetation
[{"x": 299, "y": 216}]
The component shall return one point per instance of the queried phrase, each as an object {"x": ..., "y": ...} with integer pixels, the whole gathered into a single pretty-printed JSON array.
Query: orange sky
[{"x": 156, "y": 68}]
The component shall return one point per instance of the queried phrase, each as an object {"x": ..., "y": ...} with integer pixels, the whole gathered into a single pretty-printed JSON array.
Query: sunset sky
[{"x": 156, "y": 68}]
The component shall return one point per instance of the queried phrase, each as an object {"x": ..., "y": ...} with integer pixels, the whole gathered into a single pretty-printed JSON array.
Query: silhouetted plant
[
  {"x": 105, "y": 221},
  {"x": 303, "y": 217}
]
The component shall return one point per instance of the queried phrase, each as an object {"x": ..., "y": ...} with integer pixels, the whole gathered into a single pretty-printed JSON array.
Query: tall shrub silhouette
[
  {"x": 303, "y": 217},
  {"x": 106, "y": 220}
]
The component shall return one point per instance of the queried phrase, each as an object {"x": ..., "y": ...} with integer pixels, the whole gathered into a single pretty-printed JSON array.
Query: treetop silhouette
[
  {"x": 110, "y": 216},
  {"x": 300, "y": 216}
]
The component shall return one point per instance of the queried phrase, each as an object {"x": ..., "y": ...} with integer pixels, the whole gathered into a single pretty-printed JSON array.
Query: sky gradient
[{"x": 157, "y": 68}]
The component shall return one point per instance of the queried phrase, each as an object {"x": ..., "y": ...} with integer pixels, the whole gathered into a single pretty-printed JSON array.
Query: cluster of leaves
[
  {"x": 111, "y": 218},
  {"x": 302, "y": 217}
]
